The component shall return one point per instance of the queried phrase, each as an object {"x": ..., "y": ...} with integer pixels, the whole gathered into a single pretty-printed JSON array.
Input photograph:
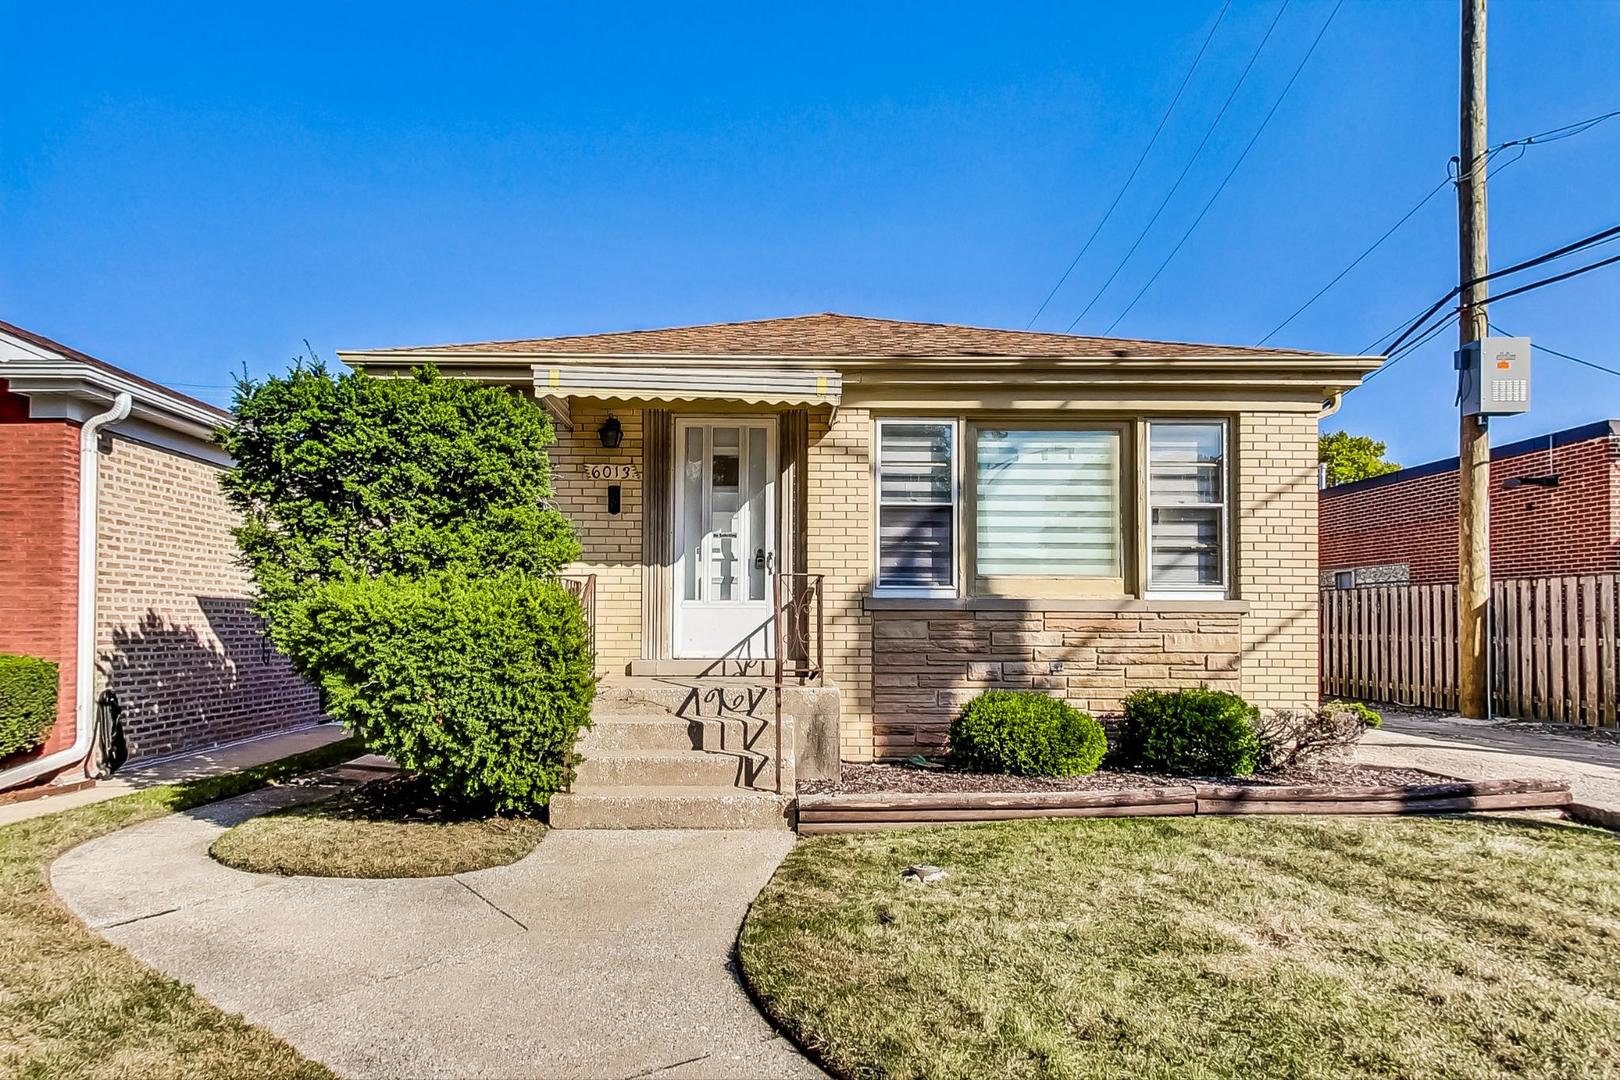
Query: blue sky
[{"x": 192, "y": 189}]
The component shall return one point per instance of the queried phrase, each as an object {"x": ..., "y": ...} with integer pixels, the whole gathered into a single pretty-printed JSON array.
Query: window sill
[{"x": 1063, "y": 603}]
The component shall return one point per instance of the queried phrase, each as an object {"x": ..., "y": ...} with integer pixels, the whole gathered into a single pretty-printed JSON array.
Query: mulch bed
[{"x": 866, "y": 779}]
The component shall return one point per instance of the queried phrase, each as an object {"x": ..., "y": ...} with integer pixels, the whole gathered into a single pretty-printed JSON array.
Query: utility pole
[{"x": 1474, "y": 453}]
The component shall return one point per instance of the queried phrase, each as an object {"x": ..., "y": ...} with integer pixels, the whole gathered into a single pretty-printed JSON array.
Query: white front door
[{"x": 725, "y": 537}]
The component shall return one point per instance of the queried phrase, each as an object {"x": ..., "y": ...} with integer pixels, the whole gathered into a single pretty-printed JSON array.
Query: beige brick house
[{"x": 982, "y": 508}]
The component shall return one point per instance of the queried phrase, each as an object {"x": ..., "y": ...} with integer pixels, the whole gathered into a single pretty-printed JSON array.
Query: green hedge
[
  {"x": 481, "y": 685},
  {"x": 1026, "y": 734},
  {"x": 1196, "y": 732},
  {"x": 27, "y": 702}
]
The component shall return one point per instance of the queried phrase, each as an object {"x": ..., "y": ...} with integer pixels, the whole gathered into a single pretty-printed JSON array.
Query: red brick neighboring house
[
  {"x": 1555, "y": 509},
  {"x": 129, "y": 583}
]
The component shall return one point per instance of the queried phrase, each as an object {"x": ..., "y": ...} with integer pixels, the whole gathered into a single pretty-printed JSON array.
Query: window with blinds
[
  {"x": 917, "y": 505},
  {"x": 1187, "y": 507},
  {"x": 1047, "y": 503}
]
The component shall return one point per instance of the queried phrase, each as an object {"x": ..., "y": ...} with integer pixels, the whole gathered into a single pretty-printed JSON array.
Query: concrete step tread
[
  {"x": 660, "y": 716},
  {"x": 589, "y": 754},
  {"x": 679, "y": 792}
]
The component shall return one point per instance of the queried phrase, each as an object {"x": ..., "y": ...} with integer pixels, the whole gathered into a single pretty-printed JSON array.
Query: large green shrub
[
  {"x": 1197, "y": 732},
  {"x": 27, "y": 702},
  {"x": 404, "y": 552},
  {"x": 355, "y": 476},
  {"x": 480, "y": 684},
  {"x": 1026, "y": 734}
]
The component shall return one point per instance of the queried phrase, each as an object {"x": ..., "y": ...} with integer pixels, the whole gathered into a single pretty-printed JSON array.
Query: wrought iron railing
[
  {"x": 583, "y": 586},
  {"x": 798, "y": 649}
]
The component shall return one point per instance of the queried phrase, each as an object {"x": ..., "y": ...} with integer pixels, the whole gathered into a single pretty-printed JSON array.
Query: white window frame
[
  {"x": 878, "y": 588},
  {"x": 1189, "y": 592}
]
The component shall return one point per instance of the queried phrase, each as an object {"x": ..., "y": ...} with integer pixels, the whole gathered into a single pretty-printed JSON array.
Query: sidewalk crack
[
  {"x": 136, "y": 918},
  {"x": 496, "y": 907}
]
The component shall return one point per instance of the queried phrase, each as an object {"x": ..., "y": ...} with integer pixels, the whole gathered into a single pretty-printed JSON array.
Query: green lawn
[
  {"x": 386, "y": 829},
  {"x": 72, "y": 1005},
  {"x": 1298, "y": 947}
]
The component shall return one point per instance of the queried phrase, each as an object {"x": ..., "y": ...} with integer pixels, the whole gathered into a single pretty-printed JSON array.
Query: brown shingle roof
[{"x": 832, "y": 335}]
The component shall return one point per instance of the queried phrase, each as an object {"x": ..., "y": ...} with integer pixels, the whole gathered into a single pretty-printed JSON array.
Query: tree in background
[
  {"x": 1352, "y": 457},
  {"x": 405, "y": 559}
]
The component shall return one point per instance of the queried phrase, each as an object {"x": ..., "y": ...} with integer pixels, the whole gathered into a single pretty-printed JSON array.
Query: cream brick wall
[
  {"x": 610, "y": 543},
  {"x": 1276, "y": 547},
  {"x": 839, "y": 545},
  {"x": 175, "y": 638}
]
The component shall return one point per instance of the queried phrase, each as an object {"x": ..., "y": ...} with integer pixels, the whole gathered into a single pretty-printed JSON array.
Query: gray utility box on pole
[{"x": 1493, "y": 376}]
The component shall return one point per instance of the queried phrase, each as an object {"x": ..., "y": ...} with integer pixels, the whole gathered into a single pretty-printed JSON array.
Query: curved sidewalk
[{"x": 602, "y": 954}]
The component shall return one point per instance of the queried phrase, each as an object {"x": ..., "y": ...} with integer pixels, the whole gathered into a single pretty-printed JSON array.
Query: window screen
[
  {"x": 1187, "y": 506},
  {"x": 916, "y": 504}
]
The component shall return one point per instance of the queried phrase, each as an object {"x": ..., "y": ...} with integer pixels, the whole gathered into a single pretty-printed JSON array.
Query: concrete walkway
[
  {"x": 602, "y": 954},
  {"x": 195, "y": 765},
  {"x": 1503, "y": 750}
]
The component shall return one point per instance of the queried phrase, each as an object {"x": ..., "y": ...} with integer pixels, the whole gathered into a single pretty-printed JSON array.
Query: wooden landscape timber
[{"x": 870, "y": 812}]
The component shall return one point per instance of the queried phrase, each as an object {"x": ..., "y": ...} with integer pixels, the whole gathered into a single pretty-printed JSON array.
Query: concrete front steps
[{"x": 680, "y": 754}]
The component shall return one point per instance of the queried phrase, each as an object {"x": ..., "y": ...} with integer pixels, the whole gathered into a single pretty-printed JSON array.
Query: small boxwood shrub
[
  {"x": 481, "y": 685},
  {"x": 27, "y": 702},
  {"x": 1195, "y": 732},
  {"x": 1026, "y": 734}
]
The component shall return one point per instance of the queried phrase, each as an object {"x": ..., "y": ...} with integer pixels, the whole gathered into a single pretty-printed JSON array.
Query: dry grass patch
[
  {"x": 73, "y": 1005},
  {"x": 1299, "y": 947},
  {"x": 390, "y": 828}
]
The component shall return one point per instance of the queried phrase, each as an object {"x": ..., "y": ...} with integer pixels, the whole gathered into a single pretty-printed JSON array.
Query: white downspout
[{"x": 84, "y": 675}]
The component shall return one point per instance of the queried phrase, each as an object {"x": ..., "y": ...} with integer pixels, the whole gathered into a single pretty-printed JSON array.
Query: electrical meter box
[{"x": 1493, "y": 376}]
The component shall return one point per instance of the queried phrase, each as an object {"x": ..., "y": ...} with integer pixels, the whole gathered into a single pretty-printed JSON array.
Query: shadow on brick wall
[
  {"x": 174, "y": 685},
  {"x": 183, "y": 686}
]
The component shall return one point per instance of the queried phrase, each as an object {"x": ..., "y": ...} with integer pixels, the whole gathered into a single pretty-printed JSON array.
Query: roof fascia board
[{"x": 49, "y": 378}]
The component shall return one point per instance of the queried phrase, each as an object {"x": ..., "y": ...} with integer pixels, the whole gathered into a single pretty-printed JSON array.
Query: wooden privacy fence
[{"x": 1553, "y": 647}]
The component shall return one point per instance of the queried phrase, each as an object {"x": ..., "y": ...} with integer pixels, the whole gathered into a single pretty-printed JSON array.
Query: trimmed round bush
[
  {"x": 27, "y": 702},
  {"x": 1196, "y": 732},
  {"x": 1026, "y": 734},
  {"x": 481, "y": 685}
]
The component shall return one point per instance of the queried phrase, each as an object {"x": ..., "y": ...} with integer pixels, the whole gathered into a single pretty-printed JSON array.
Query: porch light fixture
[{"x": 611, "y": 433}]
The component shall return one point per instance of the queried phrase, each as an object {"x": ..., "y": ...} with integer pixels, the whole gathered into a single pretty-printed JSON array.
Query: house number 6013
[{"x": 613, "y": 472}]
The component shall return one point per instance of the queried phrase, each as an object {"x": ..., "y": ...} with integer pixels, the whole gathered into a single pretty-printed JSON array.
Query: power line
[
  {"x": 1424, "y": 339},
  {"x": 1421, "y": 203},
  {"x": 1135, "y": 168},
  {"x": 1556, "y": 278},
  {"x": 1552, "y": 135},
  {"x": 1230, "y": 172},
  {"x": 1185, "y": 169},
  {"x": 1601, "y": 237},
  {"x": 1555, "y": 352},
  {"x": 1397, "y": 354}
]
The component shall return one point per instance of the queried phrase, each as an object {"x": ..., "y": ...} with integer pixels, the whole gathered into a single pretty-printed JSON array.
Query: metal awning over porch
[{"x": 750, "y": 384}]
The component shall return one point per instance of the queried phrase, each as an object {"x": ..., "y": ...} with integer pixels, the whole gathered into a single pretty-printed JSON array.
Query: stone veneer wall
[
  {"x": 611, "y": 543},
  {"x": 175, "y": 638},
  {"x": 929, "y": 664}
]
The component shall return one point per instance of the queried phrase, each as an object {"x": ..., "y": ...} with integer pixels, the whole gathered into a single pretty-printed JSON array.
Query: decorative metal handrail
[
  {"x": 583, "y": 586},
  {"x": 794, "y": 598}
]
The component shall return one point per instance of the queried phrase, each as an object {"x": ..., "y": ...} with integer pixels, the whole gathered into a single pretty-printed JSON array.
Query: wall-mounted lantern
[{"x": 611, "y": 433}]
